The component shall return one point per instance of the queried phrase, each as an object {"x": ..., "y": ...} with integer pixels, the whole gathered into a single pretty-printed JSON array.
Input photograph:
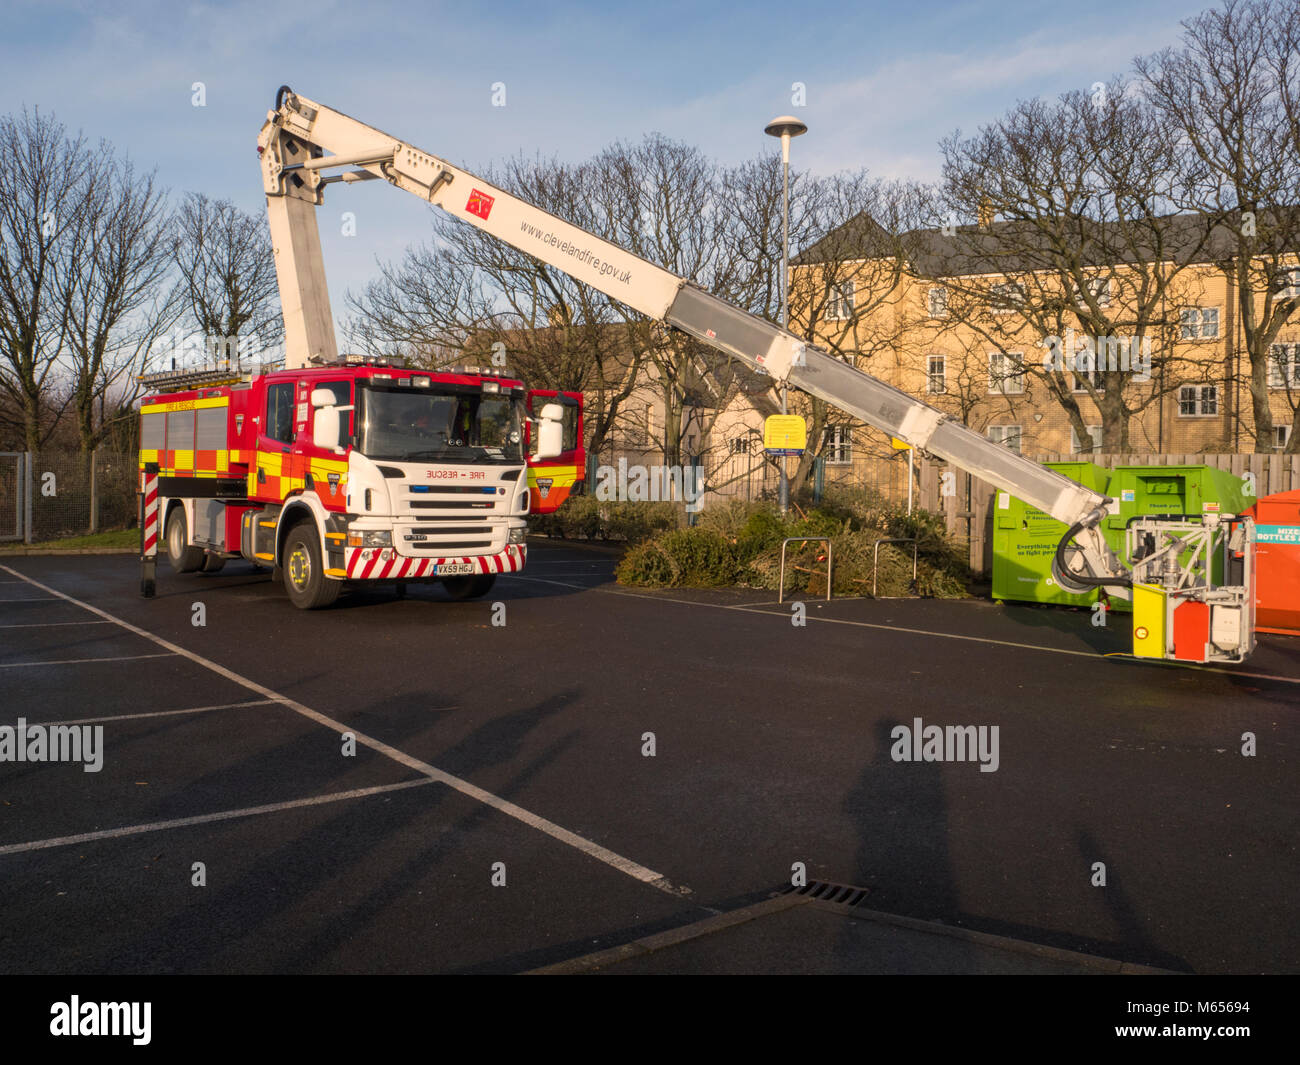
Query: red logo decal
[{"x": 480, "y": 203}]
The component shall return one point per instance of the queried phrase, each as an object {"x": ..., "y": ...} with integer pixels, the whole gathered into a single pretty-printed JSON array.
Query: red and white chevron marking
[
  {"x": 369, "y": 563},
  {"x": 151, "y": 515}
]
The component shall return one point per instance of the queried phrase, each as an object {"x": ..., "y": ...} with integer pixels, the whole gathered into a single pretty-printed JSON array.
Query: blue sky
[{"x": 884, "y": 81}]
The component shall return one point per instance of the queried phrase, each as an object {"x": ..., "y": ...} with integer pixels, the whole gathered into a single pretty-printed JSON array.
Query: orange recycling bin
[{"x": 1277, "y": 563}]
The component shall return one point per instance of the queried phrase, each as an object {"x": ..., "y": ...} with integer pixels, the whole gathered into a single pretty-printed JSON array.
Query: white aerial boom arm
[{"x": 293, "y": 143}]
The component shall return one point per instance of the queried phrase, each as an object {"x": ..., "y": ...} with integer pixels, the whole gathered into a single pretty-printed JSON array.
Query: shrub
[
  {"x": 740, "y": 543},
  {"x": 585, "y": 517},
  {"x": 645, "y": 565}
]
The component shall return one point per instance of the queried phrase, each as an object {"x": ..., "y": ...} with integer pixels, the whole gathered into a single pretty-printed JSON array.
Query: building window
[
  {"x": 936, "y": 382},
  {"x": 1284, "y": 365},
  {"x": 1006, "y": 297},
  {"x": 1094, "y": 439},
  {"x": 1288, "y": 282},
  {"x": 1007, "y": 435},
  {"x": 937, "y": 302},
  {"x": 839, "y": 446},
  {"x": 1098, "y": 288},
  {"x": 1198, "y": 401},
  {"x": 839, "y": 306},
  {"x": 1199, "y": 323},
  {"x": 1281, "y": 434},
  {"x": 1006, "y": 373},
  {"x": 1086, "y": 373},
  {"x": 740, "y": 445}
]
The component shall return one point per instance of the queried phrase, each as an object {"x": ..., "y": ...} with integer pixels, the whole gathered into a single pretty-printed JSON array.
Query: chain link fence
[{"x": 56, "y": 494}]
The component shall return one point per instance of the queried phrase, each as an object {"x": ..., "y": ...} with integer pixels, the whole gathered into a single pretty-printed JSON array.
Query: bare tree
[
  {"x": 227, "y": 273},
  {"x": 114, "y": 286},
  {"x": 1076, "y": 232},
  {"x": 660, "y": 199},
  {"x": 1232, "y": 90},
  {"x": 42, "y": 182}
]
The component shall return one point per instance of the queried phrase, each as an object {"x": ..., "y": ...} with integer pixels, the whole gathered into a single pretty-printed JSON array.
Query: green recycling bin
[{"x": 1025, "y": 539}]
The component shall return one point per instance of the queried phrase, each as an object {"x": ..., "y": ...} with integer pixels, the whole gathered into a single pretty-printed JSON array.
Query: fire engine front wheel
[
  {"x": 469, "y": 587},
  {"x": 304, "y": 575},
  {"x": 182, "y": 557}
]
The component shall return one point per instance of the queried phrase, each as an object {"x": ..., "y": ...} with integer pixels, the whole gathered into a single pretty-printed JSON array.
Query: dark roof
[
  {"x": 1010, "y": 247},
  {"x": 861, "y": 237}
]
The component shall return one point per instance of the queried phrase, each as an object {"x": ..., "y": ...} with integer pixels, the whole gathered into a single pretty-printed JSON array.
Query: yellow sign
[
  {"x": 185, "y": 404},
  {"x": 785, "y": 434},
  {"x": 899, "y": 445}
]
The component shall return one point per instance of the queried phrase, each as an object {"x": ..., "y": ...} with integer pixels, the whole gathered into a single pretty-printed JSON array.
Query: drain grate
[{"x": 824, "y": 891}]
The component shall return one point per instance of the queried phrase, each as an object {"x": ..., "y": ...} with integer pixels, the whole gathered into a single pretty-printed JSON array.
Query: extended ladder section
[{"x": 306, "y": 146}]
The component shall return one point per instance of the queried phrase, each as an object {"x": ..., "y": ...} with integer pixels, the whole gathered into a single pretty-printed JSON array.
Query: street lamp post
[{"x": 785, "y": 127}]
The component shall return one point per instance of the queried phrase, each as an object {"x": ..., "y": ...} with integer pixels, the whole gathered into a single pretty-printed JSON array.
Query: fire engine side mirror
[
  {"x": 550, "y": 432},
  {"x": 325, "y": 428},
  {"x": 327, "y": 424}
]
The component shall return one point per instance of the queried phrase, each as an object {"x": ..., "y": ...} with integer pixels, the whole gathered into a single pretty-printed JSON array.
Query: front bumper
[{"x": 378, "y": 564}]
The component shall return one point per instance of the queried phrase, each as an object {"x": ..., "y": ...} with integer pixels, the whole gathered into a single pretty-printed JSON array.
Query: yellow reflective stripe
[
  {"x": 185, "y": 404},
  {"x": 184, "y": 460},
  {"x": 149, "y": 456},
  {"x": 328, "y": 466},
  {"x": 561, "y": 476}
]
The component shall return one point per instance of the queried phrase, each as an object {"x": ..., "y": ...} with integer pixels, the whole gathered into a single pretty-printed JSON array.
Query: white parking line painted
[
  {"x": 77, "y": 661},
  {"x": 164, "y": 713},
  {"x": 779, "y": 611},
  {"x": 550, "y": 828},
  {"x": 52, "y": 624},
  {"x": 203, "y": 819}
]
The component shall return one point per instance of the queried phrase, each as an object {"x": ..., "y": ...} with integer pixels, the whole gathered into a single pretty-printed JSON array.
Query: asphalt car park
[{"x": 568, "y": 767}]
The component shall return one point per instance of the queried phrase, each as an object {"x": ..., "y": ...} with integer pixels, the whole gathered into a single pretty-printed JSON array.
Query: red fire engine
[{"x": 355, "y": 472}]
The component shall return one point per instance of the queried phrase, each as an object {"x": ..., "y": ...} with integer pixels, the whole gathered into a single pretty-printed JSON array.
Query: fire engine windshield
[{"x": 438, "y": 425}]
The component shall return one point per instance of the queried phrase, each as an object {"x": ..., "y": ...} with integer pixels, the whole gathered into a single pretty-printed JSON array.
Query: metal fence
[{"x": 47, "y": 495}]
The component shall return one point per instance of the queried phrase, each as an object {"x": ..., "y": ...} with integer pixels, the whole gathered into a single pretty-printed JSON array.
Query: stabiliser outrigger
[{"x": 306, "y": 146}]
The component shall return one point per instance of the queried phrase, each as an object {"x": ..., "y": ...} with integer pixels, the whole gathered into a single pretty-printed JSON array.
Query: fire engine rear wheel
[
  {"x": 304, "y": 575},
  {"x": 182, "y": 556},
  {"x": 469, "y": 587}
]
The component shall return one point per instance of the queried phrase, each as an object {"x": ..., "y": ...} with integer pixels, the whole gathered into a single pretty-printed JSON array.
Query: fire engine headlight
[
  {"x": 517, "y": 535},
  {"x": 371, "y": 538}
]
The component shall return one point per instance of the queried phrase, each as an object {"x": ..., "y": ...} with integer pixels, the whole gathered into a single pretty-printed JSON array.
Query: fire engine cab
[{"x": 355, "y": 472}]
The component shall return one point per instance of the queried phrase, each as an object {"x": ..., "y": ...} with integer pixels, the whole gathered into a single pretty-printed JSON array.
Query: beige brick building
[{"x": 960, "y": 339}]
